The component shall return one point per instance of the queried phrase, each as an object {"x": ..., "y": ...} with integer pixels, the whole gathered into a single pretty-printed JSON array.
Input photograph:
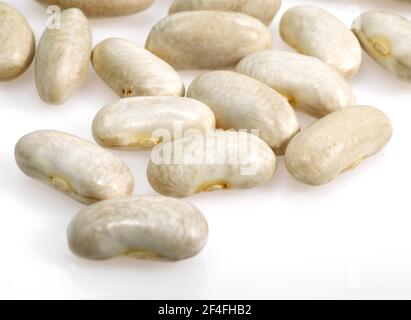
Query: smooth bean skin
[
  {"x": 103, "y": 8},
  {"x": 78, "y": 168},
  {"x": 144, "y": 227},
  {"x": 386, "y": 37},
  {"x": 131, "y": 123},
  {"x": 337, "y": 143},
  {"x": 310, "y": 85},
  {"x": 63, "y": 58},
  {"x": 264, "y": 10},
  {"x": 240, "y": 102},
  {"x": 132, "y": 71},
  {"x": 17, "y": 43},
  {"x": 207, "y": 39},
  {"x": 315, "y": 32},
  {"x": 199, "y": 163}
]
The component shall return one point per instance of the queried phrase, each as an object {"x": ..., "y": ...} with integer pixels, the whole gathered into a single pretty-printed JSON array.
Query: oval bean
[
  {"x": 73, "y": 166},
  {"x": 63, "y": 58},
  {"x": 337, "y": 143},
  {"x": 17, "y": 43},
  {"x": 223, "y": 160},
  {"x": 386, "y": 37},
  {"x": 103, "y": 8},
  {"x": 207, "y": 39},
  {"x": 145, "y": 227},
  {"x": 240, "y": 102},
  {"x": 315, "y": 32},
  {"x": 132, "y": 71},
  {"x": 309, "y": 84},
  {"x": 264, "y": 10},
  {"x": 131, "y": 123}
]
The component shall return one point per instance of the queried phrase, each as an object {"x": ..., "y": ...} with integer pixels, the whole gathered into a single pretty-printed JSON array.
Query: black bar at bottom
[{"x": 206, "y": 309}]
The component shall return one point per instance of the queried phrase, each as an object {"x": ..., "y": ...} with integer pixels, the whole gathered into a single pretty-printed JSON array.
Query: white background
[{"x": 348, "y": 239}]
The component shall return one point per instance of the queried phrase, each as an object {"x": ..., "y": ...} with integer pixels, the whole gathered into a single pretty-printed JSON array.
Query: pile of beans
[{"x": 249, "y": 87}]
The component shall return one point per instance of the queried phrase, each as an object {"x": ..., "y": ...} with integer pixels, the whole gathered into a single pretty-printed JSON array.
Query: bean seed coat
[
  {"x": 264, "y": 10},
  {"x": 315, "y": 32},
  {"x": 131, "y": 123},
  {"x": 240, "y": 102},
  {"x": 309, "y": 84},
  {"x": 132, "y": 71},
  {"x": 207, "y": 39},
  {"x": 17, "y": 43},
  {"x": 145, "y": 227},
  {"x": 337, "y": 143},
  {"x": 199, "y": 163},
  {"x": 73, "y": 166},
  {"x": 386, "y": 37},
  {"x": 63, "y": 58},
  {"x": 103, "y": 8}
]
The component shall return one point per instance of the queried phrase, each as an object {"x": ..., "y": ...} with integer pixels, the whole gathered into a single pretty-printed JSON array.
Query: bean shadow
[{"x": 128, "y": 278}]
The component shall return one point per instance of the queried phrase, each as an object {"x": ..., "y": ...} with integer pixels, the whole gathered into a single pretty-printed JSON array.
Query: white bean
[
  {"x": 145, "y": 227},
  {"x": 337, "y": 143},
  {"x": 386, "y": 37},
  {"x": 132, "y": 123},
  {"x": 207, "y": 39},
  {"x": 315, "y": 32},
  {"x": 218, "y": 161},
  {"x": 73, "y": 166},
  {"x": 132, "y": 71},
  {"x": 17, "y": 43},
  {"x": 309, "y": 84},
  {"x": 103, "y": 8},
  {"x": 264, "y": 10},
  {"x": 240, "y": 102},
  {"x": 63, "y": 57}
]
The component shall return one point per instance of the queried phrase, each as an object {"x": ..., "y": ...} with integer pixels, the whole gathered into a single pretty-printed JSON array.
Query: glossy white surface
[{"x": 348, "y": 239}]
